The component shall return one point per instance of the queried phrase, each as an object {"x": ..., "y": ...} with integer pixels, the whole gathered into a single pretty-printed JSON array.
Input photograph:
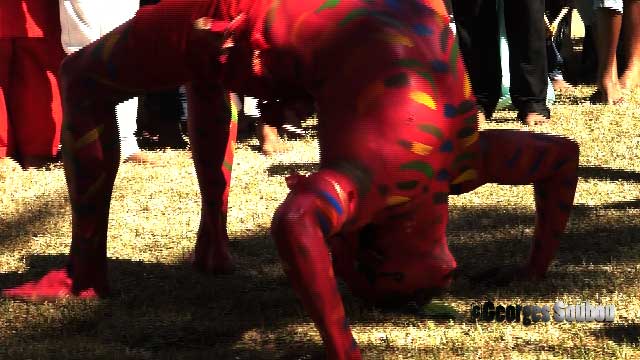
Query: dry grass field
[{"x": 162, "y": 309}]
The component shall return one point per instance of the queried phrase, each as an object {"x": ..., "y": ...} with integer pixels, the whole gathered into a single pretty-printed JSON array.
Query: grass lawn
[{"x": 162, "y": 309}]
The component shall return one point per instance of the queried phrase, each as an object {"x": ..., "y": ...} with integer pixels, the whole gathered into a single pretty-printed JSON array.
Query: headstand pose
[{"x": 397, "y": 131}]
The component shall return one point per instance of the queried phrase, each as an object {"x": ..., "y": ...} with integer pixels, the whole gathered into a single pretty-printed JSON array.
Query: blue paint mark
[
  {"x": 455, "y": 189},
  {"x": 568, "y": 183},
  {"x": 333, "y": 201},
  {"x": 422, "y": 30},
  {"x": 393, "y": 4},
  {"x": 537, "y": 162},
  {"x": 557, "y": 166},
  {"x": 514, "y": 159},
  {"x": 325, "y": 225},
  {"x": 111, "y": 70},
  {"x": 566, "y": 208},
  {"x": 443, "y": 175},
  {"x": 465, "y": 106},
  {"x": 450, "y": 110},
  {"x": 447, "y": 146},
  {"x": 439, "y": 66}
]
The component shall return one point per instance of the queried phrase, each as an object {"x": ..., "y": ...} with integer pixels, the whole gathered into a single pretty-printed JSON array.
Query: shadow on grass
[
  {"x": 621, "y": 333},
  {"x": 606, "y": 173},
  {"x": 162, "y": 309},
  {"x": 170, "y": 311},
  {"x": 29, "y": 221},
  {"x": 286, "y": 169}
]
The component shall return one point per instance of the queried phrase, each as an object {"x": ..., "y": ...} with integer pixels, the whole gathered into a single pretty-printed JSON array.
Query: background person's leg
[
  {"x": 608, "y": 33},
  {"x": 126, "y": 113},
  {"x": 477, "y": 31},
  {"x": 631, "y": 77},
  {"x": 6, "y": 137},
  {"x": 526, "y": 33},
  {"x": 35, "y": 105}
]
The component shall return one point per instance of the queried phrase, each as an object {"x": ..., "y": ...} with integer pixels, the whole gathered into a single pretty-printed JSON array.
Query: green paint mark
[
  {"x": 444, "y": 37},
  {"x": 465, "y": 132},
  {"x": 329, "y": 4},
  {"x": 397, "y": 80},
  {"x": 405, "y": 144},
  {"x": 407, "y": 185},
  {"x": 425, "y": 75},
  {"x": 470, "y": 120},
  {"x": 389, "y": 20},
  {"x": 358, "y": 173},
  {"x": 465, "y": 106},
  {"x": 226, "y": 165},
  {"x": 463, "y": 157},
  {"x": 420, "y": 166},
  {"x": 410, "y": 63},
  {"x": 354, "y": 14},
  {"x": 418, "y": 67},
  {"x": 453, "y": 57},
  {"x": 431, "y": 129}
]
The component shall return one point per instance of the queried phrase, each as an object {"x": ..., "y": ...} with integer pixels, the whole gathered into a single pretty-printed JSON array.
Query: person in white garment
[{"x": 84, "y": 21}]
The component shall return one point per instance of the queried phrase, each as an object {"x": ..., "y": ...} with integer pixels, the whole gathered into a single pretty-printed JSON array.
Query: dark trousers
[{"x": 477, "y": 26}]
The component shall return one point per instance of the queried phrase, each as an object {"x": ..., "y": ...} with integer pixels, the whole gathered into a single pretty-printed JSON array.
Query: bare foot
[
  {"x": 270, "y": 142},
  {"x": 36, "y": 162},
  {"x": 56, "y": 284},
  {"x": 534, "y": 119},
  {"x": 608, "y": 93},
  {"x": 481, "y": 118},
  {"x": 211, "y": 255},
  {"x": 139, "y": 158},
  {"x": 211, "y": 264},
  {"x": 560, "y": 86},
  {"x": 630, "y": 80}
]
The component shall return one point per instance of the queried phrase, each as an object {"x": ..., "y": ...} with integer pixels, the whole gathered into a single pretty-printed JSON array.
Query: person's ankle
[{"x": 36, "y": 162}]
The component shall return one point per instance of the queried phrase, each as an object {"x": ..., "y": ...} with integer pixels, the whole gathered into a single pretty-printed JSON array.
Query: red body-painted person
[
  {"x": 30, "y": 107},
  {"x": 397, "y": 131}
]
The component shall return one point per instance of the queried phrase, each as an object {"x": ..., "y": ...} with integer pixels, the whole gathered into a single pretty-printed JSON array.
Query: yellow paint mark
[
  {"x": 467, "y": 86},
  {"x": 94, "y": 187},
  {"x": 439, "y": 7},
  {"x": 470, "y": 139},
  {"x": 420, "y": 148},
  {"x": 297, "y": 27},
  {"x": 395, "y": 38},
  {"x": 423, "y": 98},
  {"x": 368, "y": 96},
  {"x": 89, "y": 137},
  {"x": 397, "y": 200},
  {"x": 465, "y": 176},
  {"x": 110, "y": 42}
]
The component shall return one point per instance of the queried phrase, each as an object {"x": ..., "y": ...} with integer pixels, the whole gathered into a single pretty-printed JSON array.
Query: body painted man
[{"x": 397, "y": 132}]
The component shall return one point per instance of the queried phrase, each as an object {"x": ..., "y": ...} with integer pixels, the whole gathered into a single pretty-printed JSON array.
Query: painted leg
[
  {"x": 94, "y": 80},
  {"x": 91, "y": 156},
  {"x": 548, "y": 162},
  {"x": 316, "y": 208},
  {"x": 213, "y": 125}
]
